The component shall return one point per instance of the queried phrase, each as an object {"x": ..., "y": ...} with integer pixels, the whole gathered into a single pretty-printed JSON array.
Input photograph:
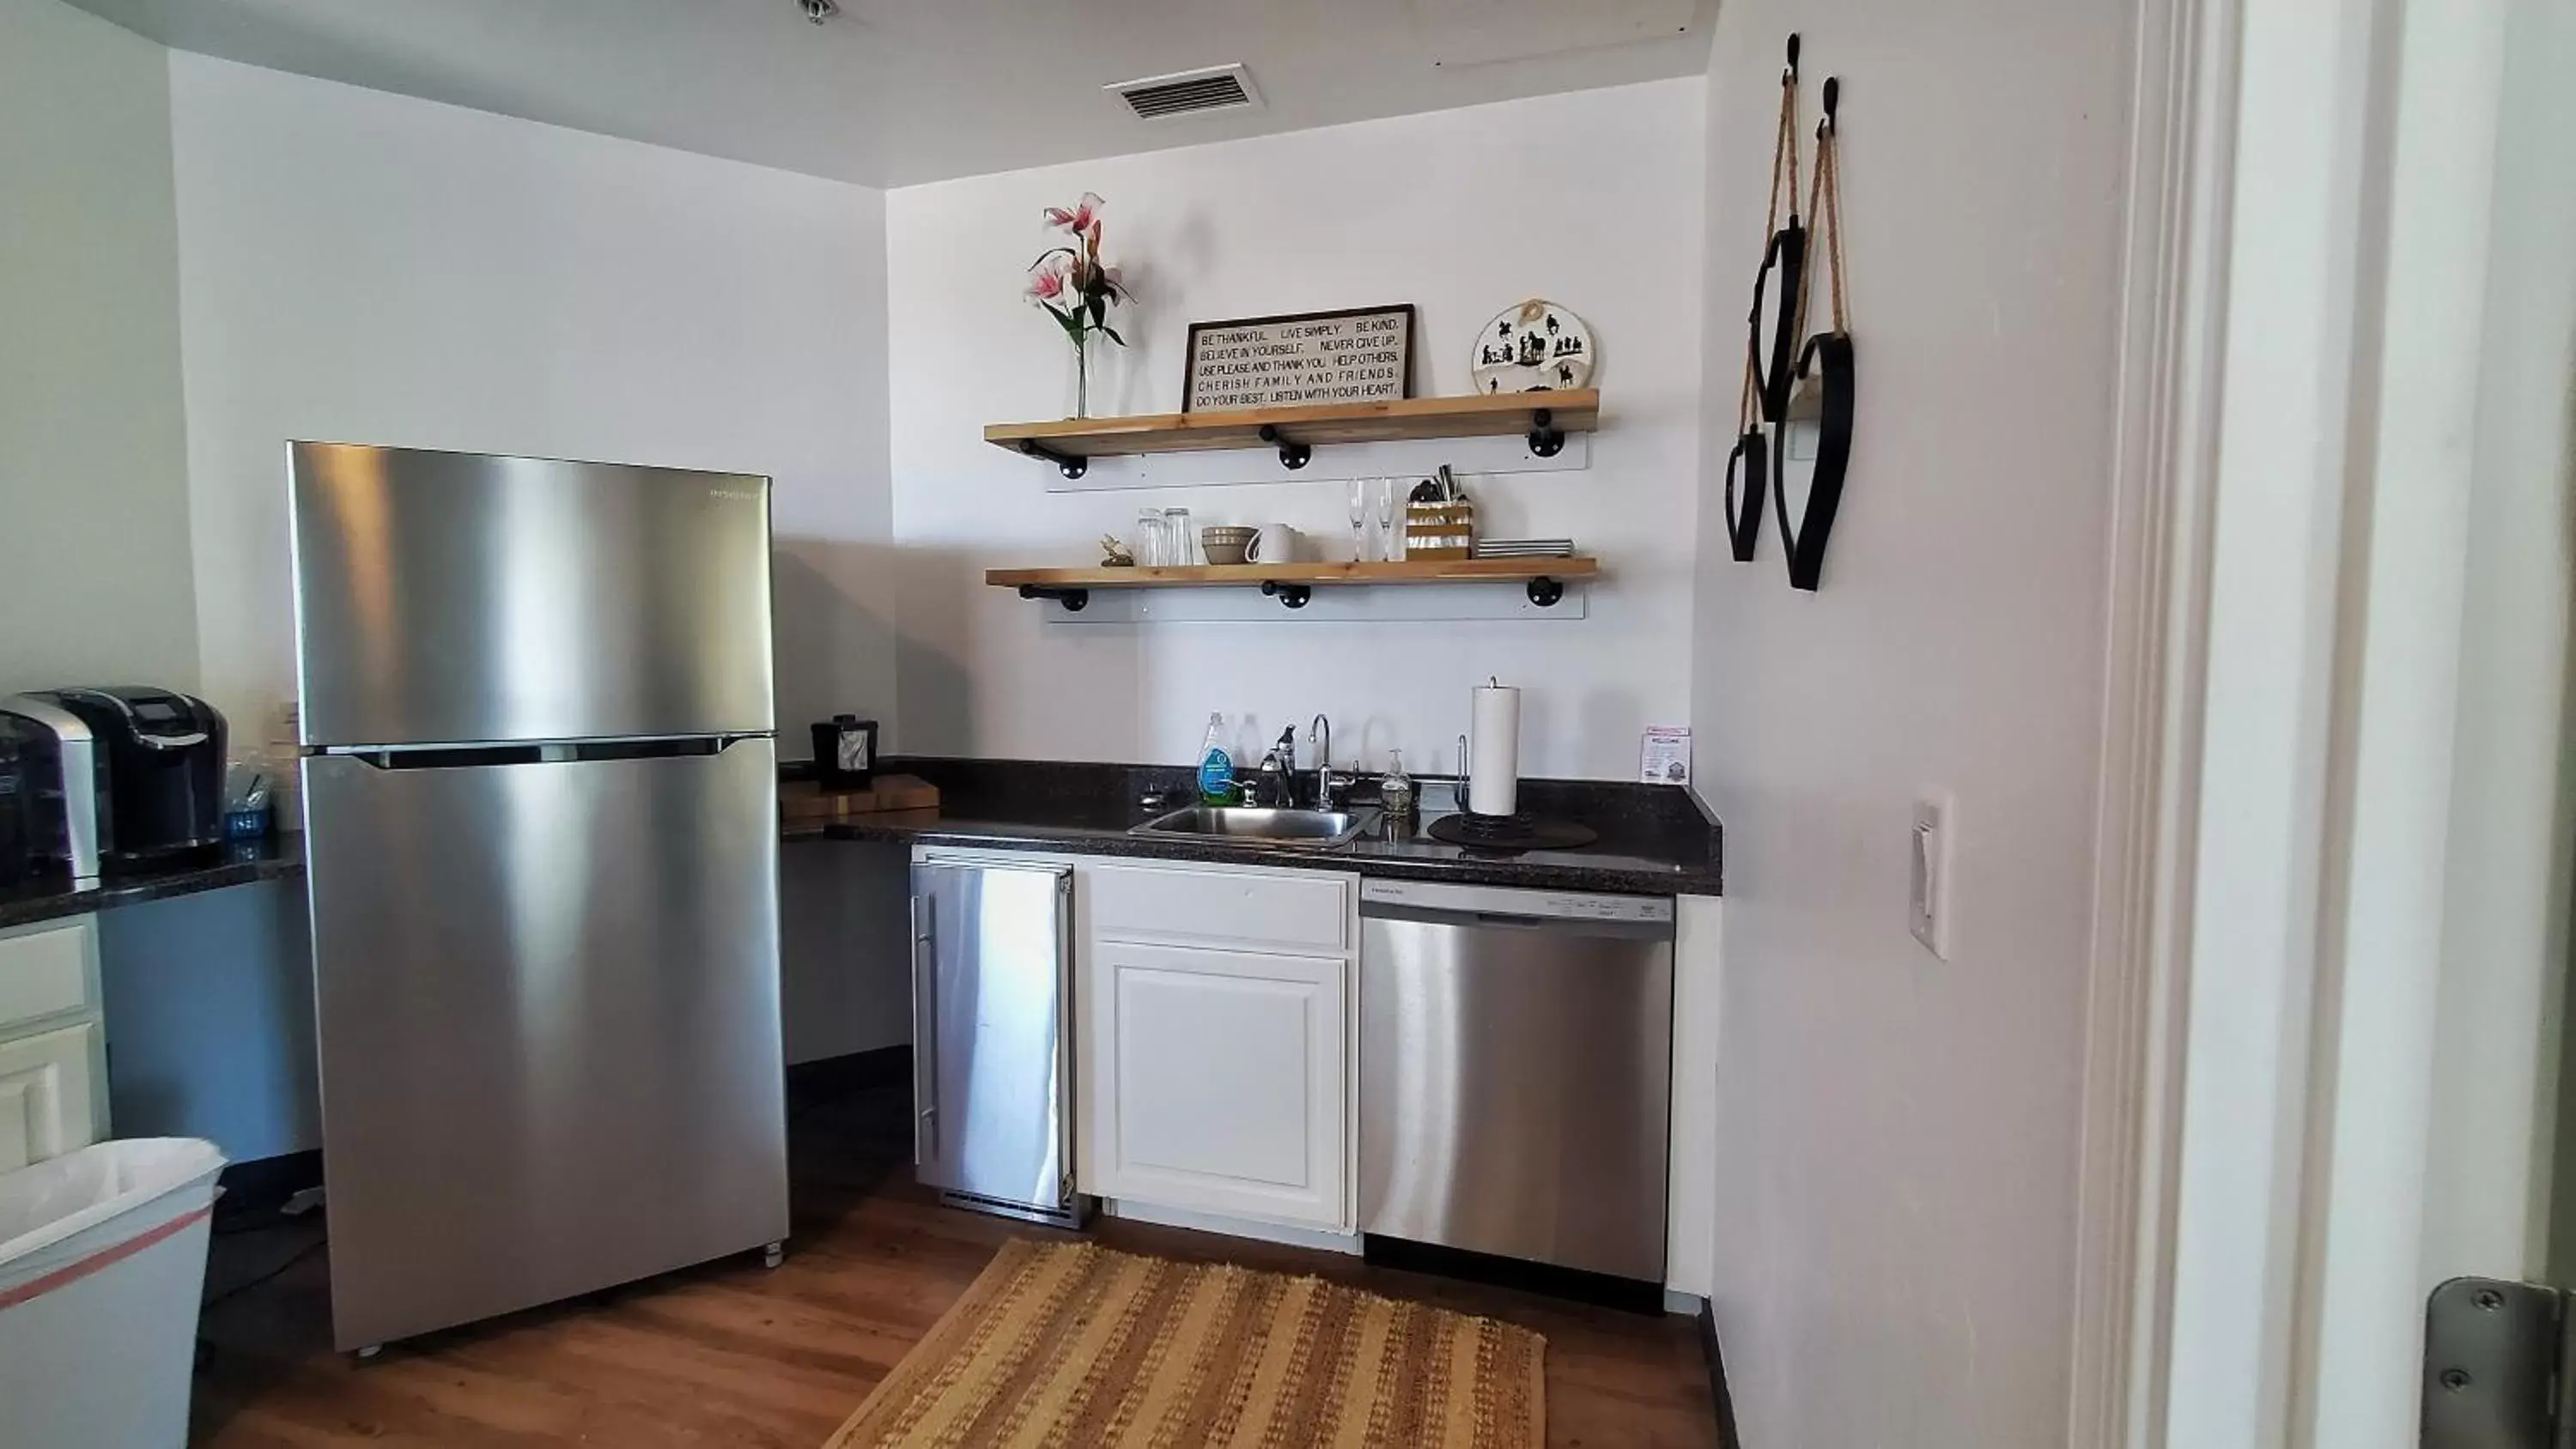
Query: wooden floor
[{"x": 734, "y": 1354}]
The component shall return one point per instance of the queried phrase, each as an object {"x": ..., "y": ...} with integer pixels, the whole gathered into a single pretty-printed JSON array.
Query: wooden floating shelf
[
  {"x": 1294, "y": 583},
  {"x": 1545, "y": 417}
]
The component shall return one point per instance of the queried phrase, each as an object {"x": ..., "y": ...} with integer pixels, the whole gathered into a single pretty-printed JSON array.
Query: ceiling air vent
[{"x": 1217, "y": 88}]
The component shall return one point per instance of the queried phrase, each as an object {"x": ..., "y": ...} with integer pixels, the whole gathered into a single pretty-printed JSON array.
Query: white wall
[
  {"x": 94, "y": 565},
  {"x": 366, "y": 267},
  {"x": 358, "y": 266},
  {"x": 1897, "y": 1134},
  {"x": 1590, "y": 199}
]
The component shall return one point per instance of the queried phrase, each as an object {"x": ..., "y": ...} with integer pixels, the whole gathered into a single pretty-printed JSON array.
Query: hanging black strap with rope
[
  {"x": 1767, "y": 373},
  {"x": 1823, "y": 380}
]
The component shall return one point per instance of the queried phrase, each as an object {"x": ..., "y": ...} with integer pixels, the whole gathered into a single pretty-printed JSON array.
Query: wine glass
[
  {"x": 1387, "y": 537},
  {"x": 1359, "y": 520}
]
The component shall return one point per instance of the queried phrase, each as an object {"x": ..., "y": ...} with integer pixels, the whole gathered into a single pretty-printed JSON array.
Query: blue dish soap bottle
[{"x": 1216, "y": 767}]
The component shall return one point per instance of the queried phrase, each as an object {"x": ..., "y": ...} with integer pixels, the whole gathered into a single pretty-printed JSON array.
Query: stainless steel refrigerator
[{"x": 541, "y": 834}]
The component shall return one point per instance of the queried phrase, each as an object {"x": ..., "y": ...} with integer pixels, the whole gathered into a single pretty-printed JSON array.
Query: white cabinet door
[
  {"x": 49, "y": 1094},
  {"x": 1214, "y": 1080},
  {"x": 47, "y": 970}
]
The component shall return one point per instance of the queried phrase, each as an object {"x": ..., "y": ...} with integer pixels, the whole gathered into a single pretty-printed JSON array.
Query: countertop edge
[
  {"x": 65, "y": 904},
  {"x": 1000, "y": 835}
]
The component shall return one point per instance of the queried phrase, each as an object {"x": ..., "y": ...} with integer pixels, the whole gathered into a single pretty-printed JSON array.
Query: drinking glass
[
  {"x": 1149, "y": 539},
  {"x": 1359, "y": 520},
  {"x": 1390, "y": 544},
  {"x": 1184, "y": 543}
]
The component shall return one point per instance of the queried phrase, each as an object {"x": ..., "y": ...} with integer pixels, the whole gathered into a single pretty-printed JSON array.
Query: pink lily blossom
[
  {"x": 1047, "y": 281},
  {"x": 1081, "y": 219}
]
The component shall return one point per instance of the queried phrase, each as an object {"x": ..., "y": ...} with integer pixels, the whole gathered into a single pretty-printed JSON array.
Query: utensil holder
[{"x": 1440, "y": 530}]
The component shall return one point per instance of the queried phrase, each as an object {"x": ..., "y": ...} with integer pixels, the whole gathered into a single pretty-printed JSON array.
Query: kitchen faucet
[
  {"x": 1276, "y": 787},
  {"x": 1320, "y": 736}
]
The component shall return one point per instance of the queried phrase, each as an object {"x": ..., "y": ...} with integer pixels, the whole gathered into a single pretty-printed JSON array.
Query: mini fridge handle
[{"x": 925, "y": 1037}]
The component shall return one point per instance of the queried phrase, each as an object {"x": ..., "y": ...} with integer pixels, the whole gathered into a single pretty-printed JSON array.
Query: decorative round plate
[{"x": 1537, "y": 346}]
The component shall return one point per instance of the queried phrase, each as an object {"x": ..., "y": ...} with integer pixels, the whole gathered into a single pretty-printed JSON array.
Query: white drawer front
[
  {"x": 48, "y": 1095},
  {"x": 44, "y": 971},
  {"x": 1304, "y": 911}
]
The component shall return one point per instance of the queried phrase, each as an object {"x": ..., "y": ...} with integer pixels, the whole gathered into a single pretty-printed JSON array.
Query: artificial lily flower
[
  {"x": 1047, "y": 280},
  {"x": 1084, "y": 216}
]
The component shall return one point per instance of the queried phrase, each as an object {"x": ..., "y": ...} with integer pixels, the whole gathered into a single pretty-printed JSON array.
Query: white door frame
[
  {"x": 2308, "y": 201},
  {"x": 2181, "y": 163}
]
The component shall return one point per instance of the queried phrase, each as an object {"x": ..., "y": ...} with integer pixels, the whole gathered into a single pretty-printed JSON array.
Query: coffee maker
[
  {"x": 134, "y": 775},
  {"x": 53, "y": 772},
  {"x": 19, "y": 782}
]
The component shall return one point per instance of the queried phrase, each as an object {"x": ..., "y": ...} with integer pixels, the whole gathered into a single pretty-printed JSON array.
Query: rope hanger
[
  {"x": 1824, "y": 363},
  {"x": 1765, "y": 395},
  {"x": 1796, "y": 374}
]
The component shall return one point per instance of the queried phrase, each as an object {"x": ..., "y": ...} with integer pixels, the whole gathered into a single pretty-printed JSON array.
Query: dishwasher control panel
[{"x": 1505, "y": 901}]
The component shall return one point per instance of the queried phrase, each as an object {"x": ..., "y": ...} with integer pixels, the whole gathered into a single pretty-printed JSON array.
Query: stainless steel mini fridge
[
  {"x": 992, "y": 1053},
  {"x": 541, "y": 831}
]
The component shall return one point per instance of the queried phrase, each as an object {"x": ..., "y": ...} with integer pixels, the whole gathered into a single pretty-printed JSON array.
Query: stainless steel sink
[{"x": 1310, "y": 828}]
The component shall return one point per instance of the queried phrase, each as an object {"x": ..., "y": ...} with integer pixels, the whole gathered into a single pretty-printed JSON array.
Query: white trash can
[{"x": 102, "y": 1264}]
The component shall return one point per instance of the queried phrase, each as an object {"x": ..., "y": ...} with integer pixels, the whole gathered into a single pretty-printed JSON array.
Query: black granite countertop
[
  {"x": 48, "y": 898},
  {"x": 1655, "y": 839}
]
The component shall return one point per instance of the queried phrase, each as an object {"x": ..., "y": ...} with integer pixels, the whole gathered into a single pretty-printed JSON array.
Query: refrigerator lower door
[
  {"x": 992, "y": 1060},
  {"x": 548, "y": 1002}
]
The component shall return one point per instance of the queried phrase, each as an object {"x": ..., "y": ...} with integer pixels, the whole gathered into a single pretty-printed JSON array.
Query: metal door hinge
[{"x": 2499, "y": 1367}]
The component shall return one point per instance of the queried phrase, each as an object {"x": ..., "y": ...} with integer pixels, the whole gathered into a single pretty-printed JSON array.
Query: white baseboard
[
  {"x": 1232, "y": 1227},
  {"x": 1686, "y": 1304}
]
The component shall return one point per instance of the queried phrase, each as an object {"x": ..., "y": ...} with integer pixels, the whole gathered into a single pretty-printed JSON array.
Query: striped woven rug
[{"x": 1071, "y": 1346}]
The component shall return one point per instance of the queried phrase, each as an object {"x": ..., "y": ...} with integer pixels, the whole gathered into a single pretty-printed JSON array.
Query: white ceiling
[{"x": 902, "y": 91}]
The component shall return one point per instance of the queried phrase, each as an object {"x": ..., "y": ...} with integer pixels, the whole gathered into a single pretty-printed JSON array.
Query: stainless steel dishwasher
[{"x": 1516, "y": 1073}]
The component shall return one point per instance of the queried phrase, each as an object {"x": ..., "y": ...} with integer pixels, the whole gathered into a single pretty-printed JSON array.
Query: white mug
[{"x": 1275, "y": 543}]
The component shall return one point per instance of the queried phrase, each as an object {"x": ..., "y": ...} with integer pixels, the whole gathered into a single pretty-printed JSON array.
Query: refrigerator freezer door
[
  {"x": 451, "y": 598},
  {"x": 992, "y": 1096},
  {"x": 548, "y": 998}
]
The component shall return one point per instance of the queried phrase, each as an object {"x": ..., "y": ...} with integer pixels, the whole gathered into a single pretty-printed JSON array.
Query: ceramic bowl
[{"x": 1225, "y": 545}]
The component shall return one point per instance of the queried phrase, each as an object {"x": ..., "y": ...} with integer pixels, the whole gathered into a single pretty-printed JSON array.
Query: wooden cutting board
[{"x": 805, "y": 802}]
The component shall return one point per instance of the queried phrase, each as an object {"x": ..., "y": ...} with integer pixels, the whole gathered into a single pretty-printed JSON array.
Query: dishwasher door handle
[{"x": 1512, "y": 921}]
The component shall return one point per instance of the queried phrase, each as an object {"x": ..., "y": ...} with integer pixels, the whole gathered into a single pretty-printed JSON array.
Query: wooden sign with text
[{"x": 1361, "y": 355}]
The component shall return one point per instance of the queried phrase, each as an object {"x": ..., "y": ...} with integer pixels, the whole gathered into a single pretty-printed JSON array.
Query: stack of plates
[{"x": 1524, "y": 548}]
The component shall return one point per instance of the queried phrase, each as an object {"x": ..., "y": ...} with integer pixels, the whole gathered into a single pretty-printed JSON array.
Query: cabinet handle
[{"x": 925, "y": 1021}]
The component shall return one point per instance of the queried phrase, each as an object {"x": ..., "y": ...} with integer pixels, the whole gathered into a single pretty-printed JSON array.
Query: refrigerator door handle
[{"x": 925, "y": 1060}]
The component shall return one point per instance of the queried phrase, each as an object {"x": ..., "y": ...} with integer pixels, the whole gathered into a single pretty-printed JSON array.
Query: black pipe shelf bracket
[
  {"x": 1074, "y": 600},
  {"x": 1292, "y": 456},
  {"x": 1546, "y": 592},
  {"x": 1292, "y": 595},
  {"x": 1546, "y": 440},
  {"x": 1069, "y": 464}
]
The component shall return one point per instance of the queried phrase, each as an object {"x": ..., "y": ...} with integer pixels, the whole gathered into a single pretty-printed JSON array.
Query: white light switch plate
[{"x": 1928, "y": 868}]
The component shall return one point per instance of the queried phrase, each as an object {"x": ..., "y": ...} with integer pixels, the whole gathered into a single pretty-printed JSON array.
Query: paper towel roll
[{"x": 1494, "y": 754}]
